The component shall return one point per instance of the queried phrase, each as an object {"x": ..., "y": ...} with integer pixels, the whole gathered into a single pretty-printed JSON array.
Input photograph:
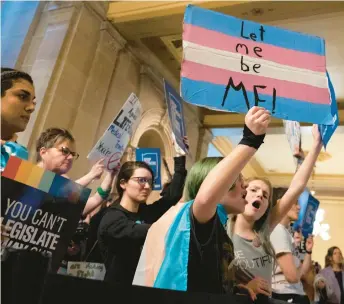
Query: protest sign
[
  {"x": 152, "y": 157},
  {"x": 230, "y": 64},
  {"x": 327, "y": 131},
  {"x": 86, "y": 270},
  {"x": 39, "y": 208},
  {"x": 176, "y": 114},
  {"x": 293, "y": 132},
  {"x": 112, "y": 144},
  {"x": 308, "y": 209}
]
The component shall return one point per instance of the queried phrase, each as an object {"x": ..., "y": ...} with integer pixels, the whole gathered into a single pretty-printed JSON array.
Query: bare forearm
[
  {"x": 220, "y": 179},
  {"x": 92, "y": 203},
  {"x": 96, "y": 200},
  {"x": 306, "y": 265},
  {"x": 85, "y": 180},
  {"x": 301, "y": 177},
  {"x": 298, "y": 184}
]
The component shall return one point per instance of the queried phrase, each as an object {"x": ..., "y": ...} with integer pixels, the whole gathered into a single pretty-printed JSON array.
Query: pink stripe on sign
[
  {"x": 220, "y": 41},
  {"x": 287, "y": 89}
]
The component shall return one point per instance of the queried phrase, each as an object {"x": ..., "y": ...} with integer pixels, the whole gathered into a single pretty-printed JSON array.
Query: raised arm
[
  {"x": 299, "y": 181},
  {"x": 96, "y": 200},
  {"x": 225, "y": 173}
]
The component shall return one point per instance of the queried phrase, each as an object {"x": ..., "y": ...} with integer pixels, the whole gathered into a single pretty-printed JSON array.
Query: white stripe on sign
[{"x": 232, "y": 62}]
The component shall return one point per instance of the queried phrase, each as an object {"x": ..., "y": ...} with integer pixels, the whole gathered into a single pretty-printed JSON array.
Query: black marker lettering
[
  {"x": 256, "y": 66},
  {"x": 242, "y": 30},
  {"x": 262, "y": 31},
  {"x": 273, "y": 100},
  {"x": 241, "y": 45},
  {"x": 256, "y": 97},
  {"x": 253, "y": 36},
  {"x": 239, "y": 87},
  {"x": 257, "y": 49},
  {"x": 244, "y": 66}
]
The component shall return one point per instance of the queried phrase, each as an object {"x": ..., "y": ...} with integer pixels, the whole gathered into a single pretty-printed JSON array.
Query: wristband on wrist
[
  {"x": 250, "y": 139},
  {"x": 103, "y": 194},
  {"x": 309, "y": 252}
]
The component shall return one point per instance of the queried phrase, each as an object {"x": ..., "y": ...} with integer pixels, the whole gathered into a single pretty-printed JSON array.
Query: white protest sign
[
  {"x": 95, "y": 271},
  {"x": 115, "y": 139},
  {"x": 293, "y": 132}
]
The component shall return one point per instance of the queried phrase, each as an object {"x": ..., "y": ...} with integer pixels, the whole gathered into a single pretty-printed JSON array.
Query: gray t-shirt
[
  {"x": 251, "y": 261},
  {"x": 283, "y": 242}
]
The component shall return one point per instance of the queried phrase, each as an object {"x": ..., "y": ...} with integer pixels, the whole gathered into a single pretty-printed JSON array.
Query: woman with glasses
[
  {"x": 56, "y": 152},
  {"x": 122, "y": 230}
]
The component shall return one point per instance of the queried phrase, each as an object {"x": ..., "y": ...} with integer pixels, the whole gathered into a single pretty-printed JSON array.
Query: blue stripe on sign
[
  {"x": 273, "y": 35},
  {"x": 211, "y": 95}
]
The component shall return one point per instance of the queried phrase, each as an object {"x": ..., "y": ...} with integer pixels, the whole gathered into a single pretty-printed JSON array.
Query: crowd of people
[{"x": 211, "y": 230}]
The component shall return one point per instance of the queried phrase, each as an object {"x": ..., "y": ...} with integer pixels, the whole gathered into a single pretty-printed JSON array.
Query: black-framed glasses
[
  {"x": 66, "y": 152},
  {"x": 143, "y": 181}
]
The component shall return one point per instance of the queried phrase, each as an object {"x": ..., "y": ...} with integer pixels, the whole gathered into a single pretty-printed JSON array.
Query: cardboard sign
[
  {"x": 176, "y": 114},
  {"x": 230, "y": 64},
  {"x": 112, "y": 144},
  {"x": 40, "y": 209},
  {"x": 308, "y": 209},
  {"x": 86, "y": 270},
  {"x": 327, "y": 131},
  {"x": 152, "y": 157},
  {"x": 293, "y": 132}
]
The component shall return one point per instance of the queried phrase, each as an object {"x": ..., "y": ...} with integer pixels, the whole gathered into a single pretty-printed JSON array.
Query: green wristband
[{"x": 103, "y": 194}]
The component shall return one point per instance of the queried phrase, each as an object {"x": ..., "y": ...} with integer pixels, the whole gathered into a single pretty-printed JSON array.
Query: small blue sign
[
  {"x": 176, "y": 114},
  {"x": 311, "y": 211},
  {"x": 308, "y": 209},
  {"x": 152, "y": 157}
]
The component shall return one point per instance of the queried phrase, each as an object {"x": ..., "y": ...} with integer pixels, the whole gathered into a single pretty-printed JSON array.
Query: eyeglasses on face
[
  {"x": 66, "y": 152},
  {"x": 142, "y": 181}
]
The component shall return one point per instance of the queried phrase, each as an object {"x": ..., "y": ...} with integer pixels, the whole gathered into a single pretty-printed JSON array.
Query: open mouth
[{"x": 256, "y": 204}]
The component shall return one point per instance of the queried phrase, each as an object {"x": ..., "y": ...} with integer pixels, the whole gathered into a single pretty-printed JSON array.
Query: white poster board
[
  {"x": 115, "y": 139},
  {"x": 86, "y": 270}
]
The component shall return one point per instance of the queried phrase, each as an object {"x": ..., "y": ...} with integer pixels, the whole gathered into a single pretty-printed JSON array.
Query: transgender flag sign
[{"x": 231, "y": 64}]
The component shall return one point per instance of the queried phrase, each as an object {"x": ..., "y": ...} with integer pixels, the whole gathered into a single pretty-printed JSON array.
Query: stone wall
[{"x": 84, "y": 71}]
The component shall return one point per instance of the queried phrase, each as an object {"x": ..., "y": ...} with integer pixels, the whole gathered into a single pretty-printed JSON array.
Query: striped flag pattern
[{"x": 231, "y": 64}]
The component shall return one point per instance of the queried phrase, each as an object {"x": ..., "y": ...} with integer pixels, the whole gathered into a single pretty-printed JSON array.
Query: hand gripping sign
[
  {"x": 230, "y": 64},
  {"x": 115, "y": 139}
]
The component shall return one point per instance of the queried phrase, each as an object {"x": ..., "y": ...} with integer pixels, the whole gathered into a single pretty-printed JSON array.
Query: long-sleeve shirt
[{"x": 122, "y": 233}]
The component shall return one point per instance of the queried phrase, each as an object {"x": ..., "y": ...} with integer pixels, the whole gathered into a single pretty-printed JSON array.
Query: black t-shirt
[
  {"x": 339, "y": 277},
  {"x": 210, "y": 254},
  {"x": 121, "y": 236}
]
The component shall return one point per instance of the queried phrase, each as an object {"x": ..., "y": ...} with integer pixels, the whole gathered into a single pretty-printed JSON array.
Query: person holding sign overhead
[
  {"x": 251, "y": 230},
  {"x": 286, "y": 281},
  {"x": 123, "y": 229},
  {"x": 188, "y": 249}
]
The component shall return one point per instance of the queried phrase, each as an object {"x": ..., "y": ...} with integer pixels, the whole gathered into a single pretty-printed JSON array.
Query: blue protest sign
[
  {"x": 152, "y": 157},
  {"x": 230, "y": 64},
  {"x": 176, "y": 114},
  {"x": 308, "y": 209},
  {"x": 309, "y": 218},
  {"x": 327, "y": 131},
  {"x": 303, "y": 201}
]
